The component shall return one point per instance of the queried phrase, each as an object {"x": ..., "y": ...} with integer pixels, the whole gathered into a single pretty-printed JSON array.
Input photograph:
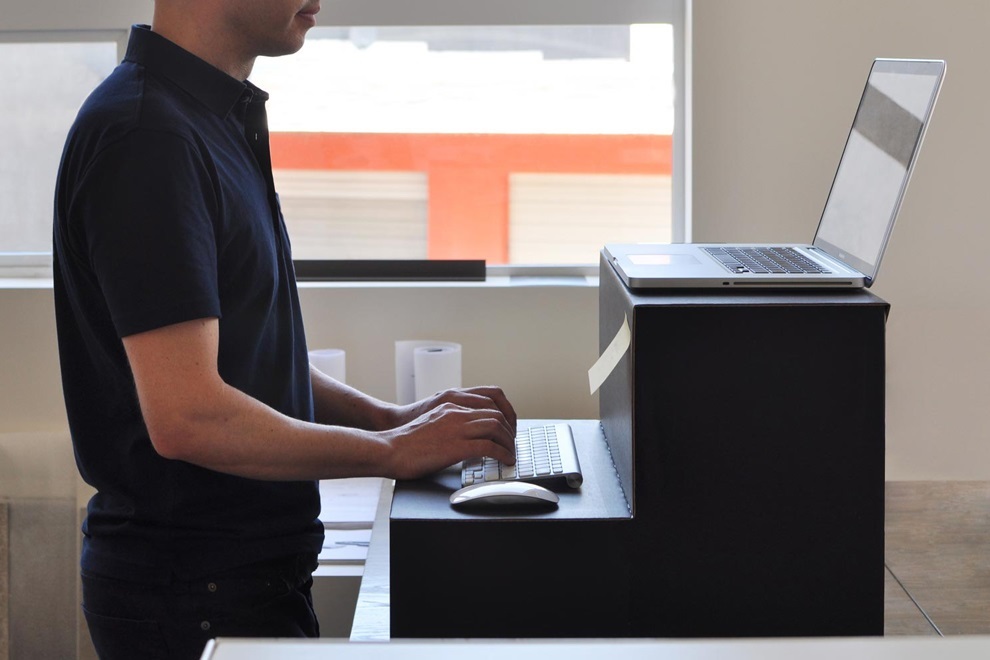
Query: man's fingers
[
  {"x": 494, "y": 431},
  {"x": 497, "y": 397},
  {"x": 487, "y": 398},
  {"x": 479, "y": 425},
  {"x": 486, "y": 447}
]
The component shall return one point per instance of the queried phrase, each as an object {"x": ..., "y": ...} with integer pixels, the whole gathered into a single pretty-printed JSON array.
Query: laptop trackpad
[{"x": 663, "y": 260}]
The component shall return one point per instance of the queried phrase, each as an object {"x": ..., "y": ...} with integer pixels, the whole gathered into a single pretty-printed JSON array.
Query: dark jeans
[{"x": 129, "y": 620}]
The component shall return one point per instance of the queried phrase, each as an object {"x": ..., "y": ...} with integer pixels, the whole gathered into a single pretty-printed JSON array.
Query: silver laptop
[{"x": 859, "y": 214}]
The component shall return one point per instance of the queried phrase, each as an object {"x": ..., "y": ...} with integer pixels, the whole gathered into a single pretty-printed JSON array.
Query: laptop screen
[{"x": 877, "y": 161}]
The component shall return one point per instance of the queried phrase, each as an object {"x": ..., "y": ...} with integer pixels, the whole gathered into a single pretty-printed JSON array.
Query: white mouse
[{"x": 504, "y": 493}]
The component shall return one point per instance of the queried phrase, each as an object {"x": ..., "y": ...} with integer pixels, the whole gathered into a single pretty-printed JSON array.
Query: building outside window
[
  {"x": 513, "y": 144},
  {"x": 517, "y": 133}
]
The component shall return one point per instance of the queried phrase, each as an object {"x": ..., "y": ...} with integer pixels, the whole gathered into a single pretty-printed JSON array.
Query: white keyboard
[{"x": 543, "y": 454}]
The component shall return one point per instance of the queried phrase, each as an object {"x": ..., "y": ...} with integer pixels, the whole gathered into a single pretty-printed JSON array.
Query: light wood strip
[
  {"x": 938, "y": 545},
  {"x": 902, "y": 616},
  {"x": 4, "y": 583}
]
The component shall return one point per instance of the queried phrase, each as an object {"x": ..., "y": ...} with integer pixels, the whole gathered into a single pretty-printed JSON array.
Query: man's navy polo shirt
[{"x": 165, "y": 211}]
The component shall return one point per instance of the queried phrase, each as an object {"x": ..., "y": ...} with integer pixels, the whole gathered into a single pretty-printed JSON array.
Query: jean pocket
[{"x": 125, "y": 639}]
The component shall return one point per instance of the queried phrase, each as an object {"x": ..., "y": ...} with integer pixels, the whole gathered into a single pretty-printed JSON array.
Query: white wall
[
  {"x": 776, "y": 83},
  {"x": 537, "y": 342},
  {"x": 75, "y": 15}
]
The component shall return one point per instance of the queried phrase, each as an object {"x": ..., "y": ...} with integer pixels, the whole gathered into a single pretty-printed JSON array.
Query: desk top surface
[
  {"x": 600, "y": 496},
  {"x": 902, "y": 648}
]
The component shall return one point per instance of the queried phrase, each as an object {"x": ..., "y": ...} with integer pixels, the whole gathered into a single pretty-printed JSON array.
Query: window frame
[{"x": 110, "y": 20}]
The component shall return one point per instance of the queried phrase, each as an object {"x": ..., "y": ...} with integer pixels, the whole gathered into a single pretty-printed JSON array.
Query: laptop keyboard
[{"x": 764, "y": 260}]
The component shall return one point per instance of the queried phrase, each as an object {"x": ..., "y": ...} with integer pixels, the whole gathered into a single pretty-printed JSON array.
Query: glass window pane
[
  {"x": 44, "y": 84},
  {"x": 518, "y": 144}
]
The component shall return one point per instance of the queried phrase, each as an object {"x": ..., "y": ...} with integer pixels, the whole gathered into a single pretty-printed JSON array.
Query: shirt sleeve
[{"x": 144, "y": 216}]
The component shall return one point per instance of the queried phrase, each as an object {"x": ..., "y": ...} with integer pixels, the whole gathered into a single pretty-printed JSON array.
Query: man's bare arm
[{"x": 194, "y": 416}]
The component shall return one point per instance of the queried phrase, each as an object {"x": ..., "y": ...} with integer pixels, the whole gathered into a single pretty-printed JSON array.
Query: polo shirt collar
[{"x": 209, "y": 85}]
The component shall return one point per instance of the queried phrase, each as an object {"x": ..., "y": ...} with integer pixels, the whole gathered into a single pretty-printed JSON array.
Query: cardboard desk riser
[{"x": 734, "y": 487}]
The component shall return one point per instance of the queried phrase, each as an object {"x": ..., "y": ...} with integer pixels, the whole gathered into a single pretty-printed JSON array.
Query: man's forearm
[
  {"x": 192, "y": 415},
  {"x": 341, "y": 405},
  {"x": 236, "y": 434}
]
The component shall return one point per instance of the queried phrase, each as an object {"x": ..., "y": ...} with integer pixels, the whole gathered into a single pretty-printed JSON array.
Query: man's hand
[
  {"x": 449, "y": 433},
  {"x": 474, "y": 398}
]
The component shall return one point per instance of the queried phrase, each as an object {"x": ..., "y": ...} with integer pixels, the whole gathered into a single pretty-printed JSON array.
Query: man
[{"x": 193, "y": 409}]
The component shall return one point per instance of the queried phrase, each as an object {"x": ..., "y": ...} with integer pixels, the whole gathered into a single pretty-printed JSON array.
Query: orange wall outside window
[{"x": 469, "y": 174}]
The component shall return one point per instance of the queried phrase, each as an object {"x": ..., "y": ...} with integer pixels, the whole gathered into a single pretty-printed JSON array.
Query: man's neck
[{"x": 201, "y": 41}]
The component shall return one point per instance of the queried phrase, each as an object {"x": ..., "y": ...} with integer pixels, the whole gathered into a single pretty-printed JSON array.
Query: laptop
[{"x": 859, "y": 213}]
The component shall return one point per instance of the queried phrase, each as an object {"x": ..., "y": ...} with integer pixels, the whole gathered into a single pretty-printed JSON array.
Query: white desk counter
[{"x": 878, "y": 648}]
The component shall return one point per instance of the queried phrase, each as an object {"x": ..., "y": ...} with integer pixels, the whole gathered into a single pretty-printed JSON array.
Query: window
[
  {"x": 518, "y": 132},
  {"x": 513, "y": 144},
  {"x": 44, "y": 84}
]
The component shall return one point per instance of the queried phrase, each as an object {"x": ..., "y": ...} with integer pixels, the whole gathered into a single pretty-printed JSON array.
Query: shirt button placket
[{"x": 212, "y": 588}]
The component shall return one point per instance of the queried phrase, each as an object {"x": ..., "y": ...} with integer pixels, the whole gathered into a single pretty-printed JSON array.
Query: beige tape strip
[{"x": 610, "y": 357}]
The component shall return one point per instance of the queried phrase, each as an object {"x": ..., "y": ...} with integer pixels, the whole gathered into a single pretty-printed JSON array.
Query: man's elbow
[
  {"x": 182, "y": 424},
  {"x": 172, "y": 439}
]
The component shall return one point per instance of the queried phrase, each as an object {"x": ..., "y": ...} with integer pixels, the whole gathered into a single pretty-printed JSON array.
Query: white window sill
[
  {"x": 26, "y": 283},
  {"x": 498, "y": 277}
]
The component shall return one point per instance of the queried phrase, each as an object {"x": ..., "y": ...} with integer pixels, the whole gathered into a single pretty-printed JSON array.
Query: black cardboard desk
[
  {"x": 457, "y": 574},
  {"x": 745, "y": 434},
  {"x": 748, "y": 428}
]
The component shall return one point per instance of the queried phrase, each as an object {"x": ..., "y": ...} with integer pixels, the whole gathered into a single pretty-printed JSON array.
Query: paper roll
[
  {"x": 436, "y": 368},
  {"x": 331, "y": 361},
  {"x": 423, "y": 368}
]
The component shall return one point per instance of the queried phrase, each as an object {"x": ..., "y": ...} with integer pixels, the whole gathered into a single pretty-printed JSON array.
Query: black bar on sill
[{"x": 375, "y": 270}]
